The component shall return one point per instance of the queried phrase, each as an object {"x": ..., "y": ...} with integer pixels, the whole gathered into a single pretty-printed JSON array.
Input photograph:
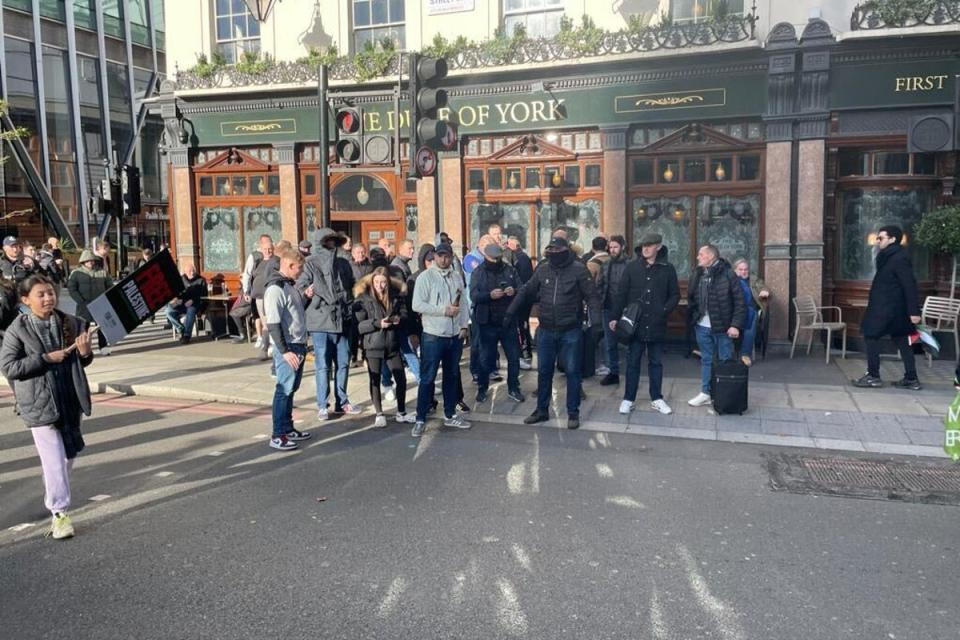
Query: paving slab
[
  {"x": 738, "y": 423},
  {"x": 820, "y": 399},
  {"x": 815, "y": 416},
  {"x": 784, "y": 428},
  {"x": 783, "y": 414},
  {"x": 834, "y": 431}
]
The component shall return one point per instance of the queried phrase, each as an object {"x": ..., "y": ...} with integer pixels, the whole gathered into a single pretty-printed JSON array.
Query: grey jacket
[
  {"x": 21, "y": 361},
  {"x": 329, "y": 309},
  {"x": 435, "y": 291},
  {"x": 85, "y": 286},
  {"x": 283, "y": 304}
]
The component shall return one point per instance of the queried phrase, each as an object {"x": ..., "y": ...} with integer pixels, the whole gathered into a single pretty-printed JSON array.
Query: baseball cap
[
  {"x": 493, "y": 251},
  {"x": 443, "y": 247},
  {"x": 9, "y": 241},
  {"x": 558, "y": 244}
]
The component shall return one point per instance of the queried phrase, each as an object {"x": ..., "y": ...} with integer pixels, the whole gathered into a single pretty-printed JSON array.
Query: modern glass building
[{"x": 75, "y": 75}]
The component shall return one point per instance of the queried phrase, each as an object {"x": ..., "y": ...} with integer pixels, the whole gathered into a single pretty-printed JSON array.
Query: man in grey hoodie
[
  {"x": 327, "y": 283},
  {"x": 440, "y": 300},
  {"x": 283, "y": 305}
]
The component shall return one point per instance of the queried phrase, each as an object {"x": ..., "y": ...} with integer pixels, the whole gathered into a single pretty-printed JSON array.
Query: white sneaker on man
[
  {"x": 603, "y": 370},
  {"x": 661, "y": 406},
  {"x": 699, "y": 400},
  {"x": 525, "y": 364},
  {"x": 626, "y": 407},
  {"x": 408, "y": 418},
  {"x": 259, "y": 343},
  {"x": 380, "y": 421}
]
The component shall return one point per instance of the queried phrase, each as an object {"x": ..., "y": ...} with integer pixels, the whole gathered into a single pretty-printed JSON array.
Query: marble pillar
[
  {"x": 776, "y": 240},
  {"x": 614, "y": 216},
  {"x": 809, "y": 251}
]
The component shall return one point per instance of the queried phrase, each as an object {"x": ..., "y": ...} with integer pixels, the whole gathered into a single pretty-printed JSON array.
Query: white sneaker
[
  {"x": 389, "y": 394},
  {"x": 456, "y": 422},
  {"x": 699, "y": 400},
  {"x": 380, "y": 422},
  {"x": 626, "y": 407},
  {"x": 525, "y": 364},
  {"x": 259, "y": 343},
  {"x": 408, "y": 418},
  {"x": 603, "y": 370},
  {"x": 661, "y": 406},
  {"x": 61, "y": 527},
  {"x": 323, "y": 414},
  {"x": 270, "y": 351}
]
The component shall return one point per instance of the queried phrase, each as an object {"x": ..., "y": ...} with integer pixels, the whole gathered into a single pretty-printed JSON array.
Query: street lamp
[{"x": 260, "y": 8}]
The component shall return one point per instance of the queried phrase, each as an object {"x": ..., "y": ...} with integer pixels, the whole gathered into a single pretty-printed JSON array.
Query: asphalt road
[{"x": 498, "y": 532}]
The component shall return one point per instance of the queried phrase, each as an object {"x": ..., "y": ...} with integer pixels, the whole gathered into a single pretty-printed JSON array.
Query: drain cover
[{"x": 863, "y": 478}]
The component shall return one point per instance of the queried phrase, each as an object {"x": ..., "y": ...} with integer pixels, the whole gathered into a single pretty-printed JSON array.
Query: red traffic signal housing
[{"x": 349, "y": 135}]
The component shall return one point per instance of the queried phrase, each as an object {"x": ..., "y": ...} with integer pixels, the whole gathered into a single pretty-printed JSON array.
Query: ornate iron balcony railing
[{"x": 892, "y": 14}]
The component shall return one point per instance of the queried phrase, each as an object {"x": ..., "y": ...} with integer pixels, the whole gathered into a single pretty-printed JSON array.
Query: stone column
[
  {"x": 183, "y": 215},
  {"x": 289, "y": 192},
  {"x": 614, "y": 217},
  {"x": 451, "y": 197},
  {"x": 426, "y": 211},
  {"x": 776, "y": 237},
  {"x": 810, "y": 185}
]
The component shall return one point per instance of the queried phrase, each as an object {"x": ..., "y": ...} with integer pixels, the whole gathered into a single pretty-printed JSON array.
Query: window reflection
[
  {"x": 863, "y": 212},
  {"x": 670, "y": 217}
]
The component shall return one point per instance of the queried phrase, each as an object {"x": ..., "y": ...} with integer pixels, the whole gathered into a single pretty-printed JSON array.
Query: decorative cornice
[
  {"x": 809, "y": 250},
  {"x": 776, "y": 252},
  {"x": 284, "y": 152},
  {"x": 878, "y": 55}
]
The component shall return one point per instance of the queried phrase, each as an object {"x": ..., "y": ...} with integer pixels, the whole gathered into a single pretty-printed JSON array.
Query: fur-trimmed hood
[{"x": 365, "y": 286}]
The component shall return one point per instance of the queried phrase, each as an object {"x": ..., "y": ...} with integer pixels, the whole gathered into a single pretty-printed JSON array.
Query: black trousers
[
  {"x": 395, "y": 364},
  {"x": 906, "y": 352}
]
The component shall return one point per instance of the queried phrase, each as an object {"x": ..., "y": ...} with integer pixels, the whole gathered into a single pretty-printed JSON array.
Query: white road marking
[
  {"x": 656, "y": 617},
  {"x": 397, "y": 587},
  {"x": 521, "y": 555},
  {"x": 100, "y": 498},
  {"x": 339, "y": 436},
  {"x": 21, "y": 527},
  {"x": 723, "y": 615},
  {"x": 515, "y": 478},
  {"x": 424, "y": 443},
  {"x": 592, "y": 443},
  {"x": 535, "y": 466},
  {"x": 625, "y": 501},
  {"x": 261, "y": 436},
  {"x": 215, "y": 454},
  {"x": 603, "y": 440},
  {"x": 456, "y": 593},
  {"x": 163, "y": 474},
  {"x": 509, "y": 614},
  {"x": 604, "y": 470}
]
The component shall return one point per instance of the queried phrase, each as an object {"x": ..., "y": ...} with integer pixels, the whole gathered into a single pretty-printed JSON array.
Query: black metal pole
[
  {"x": 324, "y": 150},
  {"x": 436, "y": 197}
]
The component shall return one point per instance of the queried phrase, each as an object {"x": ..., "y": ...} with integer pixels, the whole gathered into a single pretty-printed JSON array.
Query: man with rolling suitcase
[{"x": 718, "y": 311}]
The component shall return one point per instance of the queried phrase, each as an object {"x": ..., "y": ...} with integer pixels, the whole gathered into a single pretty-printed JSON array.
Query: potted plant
[{"x": 939, "y": 231}]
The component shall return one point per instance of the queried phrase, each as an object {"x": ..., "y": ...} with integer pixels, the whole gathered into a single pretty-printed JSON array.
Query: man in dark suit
[{"x": 892, "y": 309}]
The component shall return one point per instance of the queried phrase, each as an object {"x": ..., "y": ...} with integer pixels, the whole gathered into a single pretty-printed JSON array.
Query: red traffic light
[{"x": 348, "y": 120}]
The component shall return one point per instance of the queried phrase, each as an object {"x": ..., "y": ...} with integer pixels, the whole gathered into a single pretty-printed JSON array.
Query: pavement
[{"x": 798, "y": 403}]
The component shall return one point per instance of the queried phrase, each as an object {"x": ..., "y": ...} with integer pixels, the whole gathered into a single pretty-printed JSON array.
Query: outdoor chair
[
  {"x": 940, "y": 315},
  {"x": 810, "y": 318}
]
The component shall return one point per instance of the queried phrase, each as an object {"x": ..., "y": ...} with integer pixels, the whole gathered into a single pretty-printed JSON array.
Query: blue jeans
[
  {"x": 437, "y": 351},
  {"x": 288, "y": 381},
  {"x": 610, "y": 339},
  {"x": 654, "y": 369},
  {"x": 490, "y": 336},
  {"x": 749, "y": 338},
  {"x": 173, "y": 315},
  {"x": 711, "y": 344},
  {"x": 475, "y": 350},
  {"x": 339, "y": 344},
  {"x": 569, "y": 346}
]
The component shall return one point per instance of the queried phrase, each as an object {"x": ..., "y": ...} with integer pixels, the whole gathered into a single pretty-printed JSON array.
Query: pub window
[
  {"x": 581, "y": 220},
  {"x": 694, "y": 170},
  {"x": 410, "y": 185},
  {"x": 310, "y": 219},
  {"x": 410, "y": 219},
  {"x": 514, "y": 220},
  {"x": 376, "y": 20},
  {"x": 749, "y": 167},
  {"x": 533, "y": 177},
  {"x": 223, "y": 186},
  {"x": 553, "y": 179},
  {"x": 257, "y": 221},
  {"x": 239, "y": 186},
  {"x": 851, "y": 162},
  {"x": 668, "y": 171},
  {"x": 891, "y": 164},
  {"x": 494, "y": 179},
  {"x": 206, "y": 186},
  {"x": 924, "y": 164},
  {"x": 571, "y": 176},
  {"x": 702, "y": 10},
  {"x": 591, "y": 176},
  {"x": 670, "y": 217},
  {"x": 237, "y": 30},
  {"x": 221, "y": 239},
  {"x": 721, "y": 169},
  {"x": 257, "y": 185},
  {"x": 310, "y": 184},
  {"x": 643, "y": 171},
  {"x": 273, "y": 185},
  {"x": 730, "y": 223},
  {"x": 475, "y": 179},
  {"x": 863, "y": 211},
  {"x": 513, "y": 179},
  {"x": 540, "y": 18},
  {"x": 361, "y": 192}
]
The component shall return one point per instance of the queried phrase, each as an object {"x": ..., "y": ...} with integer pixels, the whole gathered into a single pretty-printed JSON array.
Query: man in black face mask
[
  {"x": 561, "y": 286},
  {"x": 493, "y": 286}
]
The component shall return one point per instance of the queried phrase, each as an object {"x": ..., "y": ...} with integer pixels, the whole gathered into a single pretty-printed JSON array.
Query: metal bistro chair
[
  {"x": 810, "y": 318},
  {"x": 940, "y": 315}
]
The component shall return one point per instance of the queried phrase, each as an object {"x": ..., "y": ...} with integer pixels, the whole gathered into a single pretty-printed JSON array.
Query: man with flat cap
[
  {"x": 562, "y": 286},
  {"x": 651, "y": 283}
]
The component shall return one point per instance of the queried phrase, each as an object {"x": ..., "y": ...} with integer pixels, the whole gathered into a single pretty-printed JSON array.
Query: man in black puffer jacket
[
  {"x": 718, "y": 310},
  {"x": 650, "y": 281},
  {"x": 609, "y": 285},
  {"x": 892, "y": 310},
  {"x": 562, "y": 286}
]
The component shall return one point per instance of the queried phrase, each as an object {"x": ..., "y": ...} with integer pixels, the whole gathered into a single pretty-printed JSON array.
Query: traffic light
[
  {"x": 426, "y": 128},
  {"x": 349, "y": 125},
  {"x": 130, "y": 191}
]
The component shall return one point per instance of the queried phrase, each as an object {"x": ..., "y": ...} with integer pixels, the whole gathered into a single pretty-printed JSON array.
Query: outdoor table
[{"x": 225, "y": 300}]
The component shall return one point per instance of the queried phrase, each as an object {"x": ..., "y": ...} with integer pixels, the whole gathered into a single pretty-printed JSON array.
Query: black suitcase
[{"x": 728, "y": 385}]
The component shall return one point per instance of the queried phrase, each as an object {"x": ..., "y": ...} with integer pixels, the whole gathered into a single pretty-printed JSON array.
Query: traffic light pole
[{"x": 324, "y": 150}]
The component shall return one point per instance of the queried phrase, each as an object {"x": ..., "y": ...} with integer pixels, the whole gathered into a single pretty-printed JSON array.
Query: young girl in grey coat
[{"x": 43, "y": 354}]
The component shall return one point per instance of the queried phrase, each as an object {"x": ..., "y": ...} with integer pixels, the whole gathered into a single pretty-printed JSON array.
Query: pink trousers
[{"x": 56, "y": 468}]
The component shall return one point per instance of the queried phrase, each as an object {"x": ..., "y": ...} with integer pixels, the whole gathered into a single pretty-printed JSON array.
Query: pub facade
[{"x": 786, "y": 145}]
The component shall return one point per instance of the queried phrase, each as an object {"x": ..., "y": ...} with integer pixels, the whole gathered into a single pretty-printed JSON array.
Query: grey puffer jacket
[
  {"x": 85, "y": 286},
  {"x": 21, "y": 361},
  {"x": 330, "y": 274}
]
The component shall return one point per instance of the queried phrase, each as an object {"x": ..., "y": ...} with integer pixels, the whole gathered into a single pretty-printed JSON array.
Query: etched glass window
[
  {"x": 581, "y": 221},
  {"x": 863, "y": 212},
  {"x": 410, "y": 222},
  {"x": 732, "y": 224},
  {"x": 514, "y": 220},
  {"x": 258, "y": 221},
  {"x": 221, "y": 239},
  {"x": 670, "y": 217}
]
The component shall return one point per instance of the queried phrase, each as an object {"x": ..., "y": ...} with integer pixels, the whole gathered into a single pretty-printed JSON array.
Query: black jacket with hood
[
  {"x": 611, "y": 277},
  {"x": 893, "y": 296},
  {"x": 332, "y": 278},
  {"x": 724, "y": 297},
  {"x": 655, "y": 287},
  {"x": 561, "y": 290},
  {"x": 485, "y": 278},
  {"x": 377, "y": 341}
]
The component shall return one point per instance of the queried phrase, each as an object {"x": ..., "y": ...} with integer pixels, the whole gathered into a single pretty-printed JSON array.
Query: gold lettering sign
[
  {"x": 467, "y": 116},
  {"x": 920, "y": 83},
  {"x": 258, "y": 127},
  {"x": 673, "y": 100}
]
